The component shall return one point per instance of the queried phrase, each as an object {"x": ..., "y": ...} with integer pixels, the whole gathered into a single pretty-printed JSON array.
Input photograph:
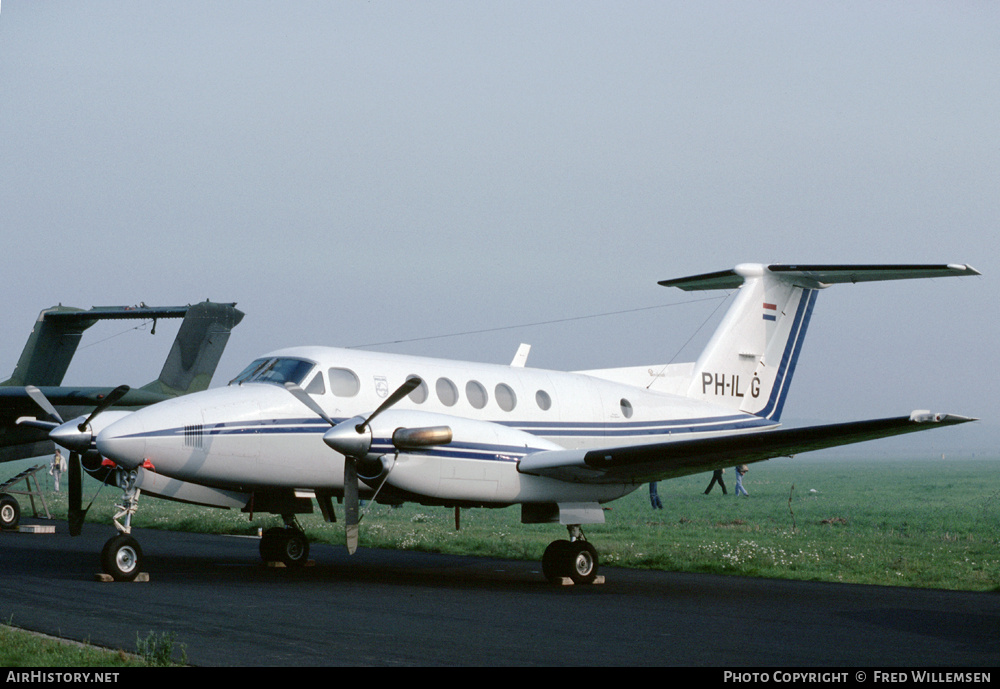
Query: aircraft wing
[{"x": 659, "y": 461}]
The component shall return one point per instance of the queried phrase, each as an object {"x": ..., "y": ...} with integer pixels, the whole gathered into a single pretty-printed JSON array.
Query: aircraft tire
[
  {"x": 574, "y": 560},
  {"x": 10, "y": 512},
  {"x": 270, "y": 544},
  {"x": 293, "y": 548},
  {"x": 122, "y": 558},
  {"x": 555, "y": 560}
]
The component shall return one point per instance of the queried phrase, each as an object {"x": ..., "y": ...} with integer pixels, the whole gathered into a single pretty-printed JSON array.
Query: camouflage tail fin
[
  {"x": 197, "y": 349},
  {"x": 50, "y": 347}
]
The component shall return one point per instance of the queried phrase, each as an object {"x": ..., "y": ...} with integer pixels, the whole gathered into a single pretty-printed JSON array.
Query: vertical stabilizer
[
  {"x": 50, "y": 348},
  {"x": 750, "y": 359},
  {"x": 749, "y": 362},
  {"x": 197, "y": 348}
]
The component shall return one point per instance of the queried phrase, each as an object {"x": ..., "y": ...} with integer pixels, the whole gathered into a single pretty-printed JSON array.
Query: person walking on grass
[
  {"x": 717, "y": 478},
  {"x": 654, "y": 497},
  {"x": 740, "y": 471}
]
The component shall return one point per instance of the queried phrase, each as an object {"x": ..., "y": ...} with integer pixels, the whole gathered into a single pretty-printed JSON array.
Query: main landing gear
[
  {"x": 287, "y": 544},
  {"x": 575, "y": 559}
]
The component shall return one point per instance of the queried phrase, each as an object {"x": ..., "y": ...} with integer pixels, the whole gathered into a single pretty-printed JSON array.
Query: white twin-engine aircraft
[{"x": 321, "y": 423}]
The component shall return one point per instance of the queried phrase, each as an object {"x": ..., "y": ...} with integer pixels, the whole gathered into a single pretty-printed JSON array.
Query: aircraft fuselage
[{"x": 256, "y": 431}]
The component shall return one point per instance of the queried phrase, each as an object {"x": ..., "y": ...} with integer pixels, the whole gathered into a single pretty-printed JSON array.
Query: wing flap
[{"x": 659, "y": 461}]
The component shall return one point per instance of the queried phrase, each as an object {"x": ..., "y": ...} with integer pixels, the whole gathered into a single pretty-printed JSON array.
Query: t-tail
[{"x": 749, "y": 362}]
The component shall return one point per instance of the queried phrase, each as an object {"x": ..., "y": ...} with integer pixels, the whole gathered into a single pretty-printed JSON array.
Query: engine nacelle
[{"x": 449, "y": 458}]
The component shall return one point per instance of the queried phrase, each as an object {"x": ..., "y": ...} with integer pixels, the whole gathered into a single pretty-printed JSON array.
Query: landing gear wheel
[
  {"x": 574, "y": 560},
  {"x": 582, "y": 562},
  {"x": 294, "y": 548},
  {"x": 10, "y": 512},
  {"x": 289, "y": 546},
  {"x": 122, "y": 558},
  {"x": 270, "y": 544}
]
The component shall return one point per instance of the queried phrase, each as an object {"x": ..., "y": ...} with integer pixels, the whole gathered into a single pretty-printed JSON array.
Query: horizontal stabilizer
[
  {"x": 818, "y": 276},
  {"x": 54, "y": 338},
  {"x": 659, "y": 461}
]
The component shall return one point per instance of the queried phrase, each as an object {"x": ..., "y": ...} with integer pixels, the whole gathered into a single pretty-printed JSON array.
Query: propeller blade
[
  {"x": 42, "y": 401},
  {"x": 108, "y": 401},
  {"x": 35, "y": 423},
  {"x": 303, "y": 397},
  {"x": 402, "y": 391},
  {"x": 351, "y": 502},
  {"x": 76, "y": 512}
]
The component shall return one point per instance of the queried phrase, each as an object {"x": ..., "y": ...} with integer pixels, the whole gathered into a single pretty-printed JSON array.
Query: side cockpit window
[
  {"x": 247, "y": 373},
  {"x": 277, "y": 370}
]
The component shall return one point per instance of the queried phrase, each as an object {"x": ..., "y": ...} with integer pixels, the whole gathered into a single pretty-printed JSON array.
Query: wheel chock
[
  {"x": 278, "y": 564},
  {"x": 566, "y": 581},
  {"x": 142, "y": 577}
]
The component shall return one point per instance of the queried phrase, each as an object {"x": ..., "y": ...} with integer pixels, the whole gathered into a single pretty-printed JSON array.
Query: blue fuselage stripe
[
  {"x": 790, "y": 356},
  {"x": 466, "y": 450}
]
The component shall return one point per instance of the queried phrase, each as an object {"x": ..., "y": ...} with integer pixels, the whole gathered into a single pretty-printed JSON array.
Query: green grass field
[{"x": 921, "y": 523}]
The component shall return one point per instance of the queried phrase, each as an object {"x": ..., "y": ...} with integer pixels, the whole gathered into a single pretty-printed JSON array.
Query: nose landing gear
[{"x": 121, "y": 558}]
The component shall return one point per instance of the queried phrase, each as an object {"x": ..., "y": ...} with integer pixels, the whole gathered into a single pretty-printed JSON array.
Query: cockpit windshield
[{"x": 277, "y": 370}]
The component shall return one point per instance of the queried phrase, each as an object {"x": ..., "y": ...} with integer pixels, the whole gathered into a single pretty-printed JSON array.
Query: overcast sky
[{"x": 368, "y": 172}]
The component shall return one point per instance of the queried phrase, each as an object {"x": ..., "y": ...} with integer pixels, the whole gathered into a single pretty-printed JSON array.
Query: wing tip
[{"x": 926, "y": 416}]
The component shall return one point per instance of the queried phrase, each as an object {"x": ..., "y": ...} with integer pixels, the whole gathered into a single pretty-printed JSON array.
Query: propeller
[
  {"x": 402, "y": 391},
  {"x": 42, "y": 401},
  {"x": 109, "y": 400},
  {"x": 352, "y": 438},
  {"x": 78, "y": 439}
]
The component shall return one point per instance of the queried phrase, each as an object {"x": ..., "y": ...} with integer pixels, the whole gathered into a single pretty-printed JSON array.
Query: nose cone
[
  {"x": 124, "y": 441},
  {"x": 71, "y": 437}
]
